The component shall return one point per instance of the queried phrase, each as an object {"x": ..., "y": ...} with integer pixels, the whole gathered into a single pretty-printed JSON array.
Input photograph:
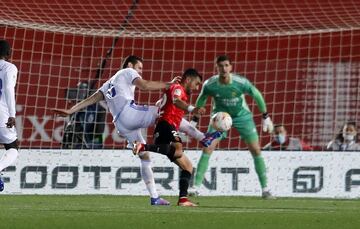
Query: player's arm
[
  {"x": 9, "y": 91},
  {"x": 188, "y": 107},
  {"x": 203, "y": 96},
  {"x": 176, "y": 95},
  {"x": 259, "y": 99},
  {"x": 94, "y": 98},
  {"x": 154, "y": 85}
]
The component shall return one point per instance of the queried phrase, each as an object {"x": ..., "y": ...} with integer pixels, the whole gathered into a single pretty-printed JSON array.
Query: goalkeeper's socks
[
  {"x": 260, "y": 170},
  {"x": 201, "y": 169}
]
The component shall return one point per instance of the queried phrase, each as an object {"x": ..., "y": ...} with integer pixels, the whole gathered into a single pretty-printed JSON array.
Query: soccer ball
[{"x": 221, "y": 121}]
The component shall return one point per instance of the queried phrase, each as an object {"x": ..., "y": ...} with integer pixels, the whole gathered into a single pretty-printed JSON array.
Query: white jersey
[
  {"x": 8, "y": 76},
  {"x": 119, "y": 90}
]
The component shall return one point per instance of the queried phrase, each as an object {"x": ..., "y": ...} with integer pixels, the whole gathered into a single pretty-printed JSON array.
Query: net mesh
[{"x": 302, "y": 55}]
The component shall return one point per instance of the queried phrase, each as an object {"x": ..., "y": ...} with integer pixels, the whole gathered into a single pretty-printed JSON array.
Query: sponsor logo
[{"x": 308, "y": 179}]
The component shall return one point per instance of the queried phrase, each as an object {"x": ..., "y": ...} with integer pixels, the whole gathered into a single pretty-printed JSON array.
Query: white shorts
[
  {"x": 7, "y": 135},
  {"x": 190, "y": 130},
  {"x": 134, "y": 117}
]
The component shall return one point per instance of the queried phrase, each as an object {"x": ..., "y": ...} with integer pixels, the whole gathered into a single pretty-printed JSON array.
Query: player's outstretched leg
[
  {"x": 205, "y": 139},
  {"x": 210, "y": 137}
]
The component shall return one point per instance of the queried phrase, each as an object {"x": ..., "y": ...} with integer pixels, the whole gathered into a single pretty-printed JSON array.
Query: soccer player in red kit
[{"x": 167, "y": 140}]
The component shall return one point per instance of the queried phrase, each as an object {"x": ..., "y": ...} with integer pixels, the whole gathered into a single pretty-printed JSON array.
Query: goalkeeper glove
[
  {"x": 194, "y": 121},
  {"x": 267, "y": 123}
]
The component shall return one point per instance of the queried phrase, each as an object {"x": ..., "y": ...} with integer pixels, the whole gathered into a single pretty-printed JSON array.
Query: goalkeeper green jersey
[{"x": 230, "y": 97}]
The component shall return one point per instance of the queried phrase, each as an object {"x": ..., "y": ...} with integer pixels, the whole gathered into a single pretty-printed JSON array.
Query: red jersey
[{"x": 168, "y": 111}]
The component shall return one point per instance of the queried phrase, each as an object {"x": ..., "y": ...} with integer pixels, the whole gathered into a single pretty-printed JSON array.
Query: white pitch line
[{"x": 165, "y": 210}]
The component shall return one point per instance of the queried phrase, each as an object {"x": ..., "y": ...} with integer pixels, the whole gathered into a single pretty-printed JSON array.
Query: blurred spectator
[
  {"x": 281, "y": 141},
  {"x": 346, "y": 139},
  {"x": 85, "y": 128}
]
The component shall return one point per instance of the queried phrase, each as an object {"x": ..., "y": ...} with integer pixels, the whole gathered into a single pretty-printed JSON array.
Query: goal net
[{"x": 304, "y": 56}]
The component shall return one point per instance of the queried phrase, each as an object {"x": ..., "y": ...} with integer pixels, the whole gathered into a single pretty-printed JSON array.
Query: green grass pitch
[{"x": 98, "y": 211}]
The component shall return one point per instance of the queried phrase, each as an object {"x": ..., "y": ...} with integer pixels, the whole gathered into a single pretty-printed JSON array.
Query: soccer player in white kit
[
  {"x": 8, "y": 136},
  {"x": 128, "y": 118}
]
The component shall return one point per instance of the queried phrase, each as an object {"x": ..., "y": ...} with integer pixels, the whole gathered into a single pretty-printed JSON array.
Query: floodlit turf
[{"x": 214, "y": 212}]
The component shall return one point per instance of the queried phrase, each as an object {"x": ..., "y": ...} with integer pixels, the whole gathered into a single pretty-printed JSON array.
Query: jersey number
[
  {"x": 175, "y": 133},
  {"x": 111, "y": 92}
]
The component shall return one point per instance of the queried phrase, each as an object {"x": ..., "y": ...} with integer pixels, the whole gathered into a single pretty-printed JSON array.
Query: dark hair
[
  {"x": 131, "y": 59},
  {"x": 191, "y": 72},
  {"x": 222, "y": 58},
  {"x": 352, "y": 123},
  {"x": 340, "y": 137},
  {"x": 4, "y": 48}
]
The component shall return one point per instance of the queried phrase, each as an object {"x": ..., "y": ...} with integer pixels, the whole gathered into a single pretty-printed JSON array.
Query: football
[{"x": 221, "y": 121}]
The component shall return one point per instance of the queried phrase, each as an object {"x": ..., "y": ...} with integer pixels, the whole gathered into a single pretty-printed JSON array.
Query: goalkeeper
[{"x": 227, "y": 91}]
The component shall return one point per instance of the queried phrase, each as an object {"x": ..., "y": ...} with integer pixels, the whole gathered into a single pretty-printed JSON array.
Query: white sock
[
  {"x": 148, "y": 177},
  {"x": 191, "y": 131},
  {"x": 8, "y": 158}
]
